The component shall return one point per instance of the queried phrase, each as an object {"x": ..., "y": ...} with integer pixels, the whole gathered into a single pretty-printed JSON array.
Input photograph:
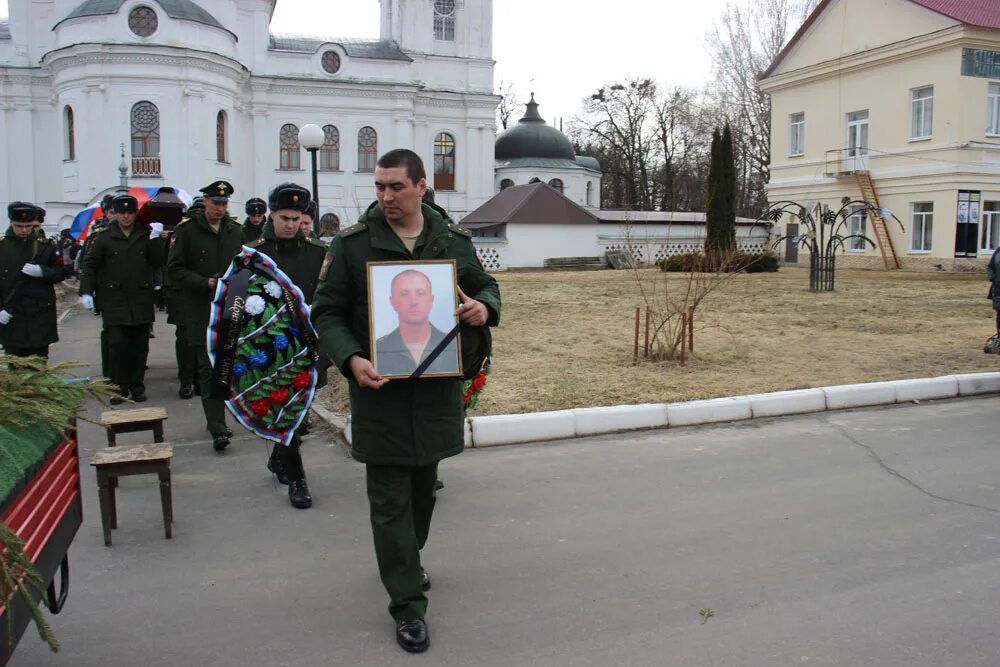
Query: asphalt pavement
[{"x": 864, "y": 537}]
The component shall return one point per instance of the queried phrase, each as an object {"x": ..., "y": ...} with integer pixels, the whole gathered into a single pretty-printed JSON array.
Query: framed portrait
[{"x": 411, "y": 310}]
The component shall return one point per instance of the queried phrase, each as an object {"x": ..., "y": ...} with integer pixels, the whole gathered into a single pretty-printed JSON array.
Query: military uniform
[
  {"x": 393, "y": 357},
  {"x": 29, "y": 300},
  {"x": 118, "y": 270},
  {"x": 252, "y": 232},
  {"x": 402, "y": 430},
  {"x": 198, "y": 253}
]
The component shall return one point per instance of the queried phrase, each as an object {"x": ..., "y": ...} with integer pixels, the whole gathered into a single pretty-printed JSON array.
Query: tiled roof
[
  {"x": 381, "y": 49},
  {"x": 4, "y": 29},
  {"x": 175, "y": 9},
  {"x": 536, "y": 203}
]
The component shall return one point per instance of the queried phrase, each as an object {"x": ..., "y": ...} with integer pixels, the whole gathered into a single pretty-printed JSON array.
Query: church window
[
  {"x": 367, "y": 149},
  {"x": 145, "y": 139},
  {"x": 590, "y": 193},
  {"x": 329, "y": 152},
  {"x": 444, "y": 162},
  {"x": 556, "y": 184},
  {"x": 444, "y": 20},
  {"x": 142, "y": 21},
  {"x": 331, "y": 62},
  {"x": 220, "y": 137},
  {"x": 289, "y": 150},
  {"x": 70, "y": 151},
  {"x": 506, "y": 183}
]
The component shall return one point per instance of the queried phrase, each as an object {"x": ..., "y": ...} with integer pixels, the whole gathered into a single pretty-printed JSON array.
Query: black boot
[
  {"x": 186, "y": 391},
  {"x": 412, "y": 636},
  {"x": 120, "y": 398},
  {"x": 298, "y": 494},
  {"x": 220, "y": 442},
  {"x": 276, "y": 466}
]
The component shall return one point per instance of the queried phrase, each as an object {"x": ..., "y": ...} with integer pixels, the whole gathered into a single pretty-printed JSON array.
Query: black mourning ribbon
[
  {"x": 435, "y": 353},
  {"x": 231, "y": 322}
]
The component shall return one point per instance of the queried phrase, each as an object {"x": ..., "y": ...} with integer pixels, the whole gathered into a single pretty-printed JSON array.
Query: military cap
[
  {"x": 22, "y": 211},
  {"x": 125, "y": 204},
  {"x": 313, "y": 209},
  {"x": 106, "y": 203},
  {"x": 219, "y": 191},
  {"x": 40, "y": 214},
  {"x": 289, "y": 195},
  {"x": 256, "y": 206}
]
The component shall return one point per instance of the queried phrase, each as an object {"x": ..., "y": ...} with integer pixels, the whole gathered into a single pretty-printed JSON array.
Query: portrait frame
[{"x": 389, "y": 317}]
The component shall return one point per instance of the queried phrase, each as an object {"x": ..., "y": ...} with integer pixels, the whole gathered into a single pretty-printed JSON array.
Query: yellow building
[{"x": 896, "y": 102}]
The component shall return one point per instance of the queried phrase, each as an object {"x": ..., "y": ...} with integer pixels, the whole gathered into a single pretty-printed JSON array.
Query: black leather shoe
[
  {"x": 186, "y": 391},
  {"x": 220, "y": 442},
  {"x": 298, "y": 494},
  {"x": 275, "y": 466},
  {"x": 120, "y": 398},
  {"x": 425, "y": 580},
  {"x": 139, "y": 397},
  {"x": 412, "y": 636},
  {"x": 304, "y": 427},
  {"x": 438, "y": 485}
]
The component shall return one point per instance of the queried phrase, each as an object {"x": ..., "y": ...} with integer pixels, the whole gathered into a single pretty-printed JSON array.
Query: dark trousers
[
  {"x": 128, "y": 348},
  {"x": 187, "y": 357},
  {"x": 105, "y": 355},
  {"x": 291, "y": 458},
  {"x": 42, "y": 351},
  {"x": 401, "y": 501},
  {"x": 215, "y": 410}
]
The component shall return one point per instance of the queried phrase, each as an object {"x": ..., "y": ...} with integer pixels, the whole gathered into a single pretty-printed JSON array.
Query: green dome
[{"x": 533, "y": 138}]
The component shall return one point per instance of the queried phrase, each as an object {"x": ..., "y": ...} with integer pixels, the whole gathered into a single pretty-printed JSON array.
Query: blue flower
[
  {"x": 258, "y": 358},
  {"x": 239, "y": 369},
  {"x": 294, "y": 330},
  {"x": 280, "y": 342}
]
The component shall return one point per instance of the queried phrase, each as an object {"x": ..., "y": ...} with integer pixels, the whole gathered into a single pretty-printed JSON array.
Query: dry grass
[{"x": 566, "y": 337}]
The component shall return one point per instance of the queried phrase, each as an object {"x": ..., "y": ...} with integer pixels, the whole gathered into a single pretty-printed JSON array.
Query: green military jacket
[
  {"x": 406, "y": 422},
  {"x": 118, "y": 271},
  {"x": 252, "y": 232},
  {"x": 33, "y": 304},
  {"x": 300, "y": 258},
  {"x": 197, "y": 254}
]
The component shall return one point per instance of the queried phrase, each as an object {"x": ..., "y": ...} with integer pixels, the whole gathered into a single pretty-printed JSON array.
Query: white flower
[
  {"x": 255, "y": 305},
  {"x": 273, "y": 288}
]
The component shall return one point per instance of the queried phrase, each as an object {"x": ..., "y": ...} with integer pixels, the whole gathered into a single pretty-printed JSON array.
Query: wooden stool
[
  {"x": 132, "y": 421},
  {"x": 112, "y": 463}
]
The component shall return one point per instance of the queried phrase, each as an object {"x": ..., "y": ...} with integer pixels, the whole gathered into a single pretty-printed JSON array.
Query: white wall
[{"x": 531, "y": 245}]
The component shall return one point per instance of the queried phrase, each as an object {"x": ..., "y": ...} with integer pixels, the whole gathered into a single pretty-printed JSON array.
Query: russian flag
[{"x": 80, "y": 227}]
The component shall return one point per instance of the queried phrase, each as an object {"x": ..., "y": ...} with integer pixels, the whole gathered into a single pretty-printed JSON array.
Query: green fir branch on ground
[
  {"x": 19, "y": 576},
  {"x": 32, "y": 392}
]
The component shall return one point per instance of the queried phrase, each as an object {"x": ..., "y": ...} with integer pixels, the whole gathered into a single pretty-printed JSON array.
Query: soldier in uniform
[
  {"x": 256, "y": 209},
  {"x": 40, "y": 222},
  {"x": 300, "y": 258},
  {"x": 306, "y": 221},
  {"x": 201, "y": 249},
  {"x": 30, "y": 266},
  {"x": 117, "y": 269},
  {"x": 401, "y": 428}
]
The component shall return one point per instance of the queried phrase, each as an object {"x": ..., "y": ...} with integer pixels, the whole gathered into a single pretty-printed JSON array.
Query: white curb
[
  {"x": 510, "y": 429},
  {"x": 780, "y": 403},
  {"x": 708, "y": 411},
  {"x": 594, "y": 421},
  {"x": 971, "y": 384},
  {"x": 925, "y": 389},
  {"x": 859, "y": 395}
]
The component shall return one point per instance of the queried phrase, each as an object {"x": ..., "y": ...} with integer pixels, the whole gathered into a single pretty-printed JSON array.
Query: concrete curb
[{"x": 512, "y": 429}]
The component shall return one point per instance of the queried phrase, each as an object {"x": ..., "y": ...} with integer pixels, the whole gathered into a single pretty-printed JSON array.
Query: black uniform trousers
[
  {"x": 401, "y": 502},
  {"x": 187, "y": 357},
  {"x": 42, "y": 351},
  {"x": 215, "y": 409},
  {"x": 128, "y": 348}
]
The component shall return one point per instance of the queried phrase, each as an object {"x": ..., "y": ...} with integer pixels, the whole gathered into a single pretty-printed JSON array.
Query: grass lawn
[{"x": 565, "y": 338}]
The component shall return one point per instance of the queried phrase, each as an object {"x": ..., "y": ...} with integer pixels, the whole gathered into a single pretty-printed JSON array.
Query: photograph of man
[{"x": 415, "y": 336}]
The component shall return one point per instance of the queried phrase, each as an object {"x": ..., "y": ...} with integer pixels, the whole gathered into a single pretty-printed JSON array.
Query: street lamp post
[{"x": 312, "y": 137}]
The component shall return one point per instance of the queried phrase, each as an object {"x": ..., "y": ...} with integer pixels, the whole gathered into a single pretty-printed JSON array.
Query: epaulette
[
  {"x": 461, "y": 231},
  {"x": 255, "y": 243},
  {"x": 316, "y": 242},
  {"x": 183, "y": 220},
  {"x": 352, "y": 230},
  {"x": 99, "y": 230}
]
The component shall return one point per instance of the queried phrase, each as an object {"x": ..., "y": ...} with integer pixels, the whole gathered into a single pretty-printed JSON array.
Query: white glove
[
  {"x": 87, "y": 301},
  {"x": 32, "y": 270},
  {"x": 155, "y": 229},
  {"x": 5, "y": 317}
]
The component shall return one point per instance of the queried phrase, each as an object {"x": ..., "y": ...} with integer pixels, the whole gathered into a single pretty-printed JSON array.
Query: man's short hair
[
  {"x": 404, "y": 157},
  {"x": 392, "y": 283}
]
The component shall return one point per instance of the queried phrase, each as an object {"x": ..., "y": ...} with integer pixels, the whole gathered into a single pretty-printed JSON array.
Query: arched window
[
  {"x": 590, "y": 193},
  {"x": 506, "y": 183},
  {"x": 289, "y": 150},
  {"x": 220, "y": 137},
  {"x": 329, "y": 152},
  {"x": 329, "y": 224},
  {"x": 444, "y": 20},
  {"x": 367, "y": 149},
  {"x": 444, "y": 162},
  {"x": 145, "y": 139},
  {"x": 70, "y": 134},
  {"x": 556, "y": 184}
]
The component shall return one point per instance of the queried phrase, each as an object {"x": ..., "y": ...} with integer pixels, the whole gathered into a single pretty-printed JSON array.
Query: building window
[
  {"x": 444, "y": 162},
  {"x": 444, "y": 20},
  {"x": 142, "y": 21},
  {"x": 288, "y": 147},
  {"x": 367, "y": 149},
  {"x": 220, "y": 137},
  {"x": 556, "y": 184},
  {"x": 506, "y": 183},
  {"x": 797, "y": 134},
  {"x": 329, "y": 225},
  {"x": 331, "y": 62},
  {"x": 991, "y": 226},
  {"x": 329, "y": 152},
  {"x": 856, "y": 229},
  {"x": 145, "y": 139},
  {"x": 922, "y": 226},
  {"x": 993, "y": 110},
  {"x": 70, "y": 135},
  {"x": 921, "y": 112},
  {"x": 590, "y": 193}
]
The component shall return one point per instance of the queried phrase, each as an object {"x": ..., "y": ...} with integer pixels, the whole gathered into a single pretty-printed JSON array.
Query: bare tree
[{"x": 509, "y": 103}]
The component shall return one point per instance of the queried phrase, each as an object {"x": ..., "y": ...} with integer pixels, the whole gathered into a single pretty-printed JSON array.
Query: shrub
[{"x": 737, "y": 262}]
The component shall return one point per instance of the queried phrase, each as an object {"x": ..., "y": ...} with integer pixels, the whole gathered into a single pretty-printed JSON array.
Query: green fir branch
[{"x": 19, "y": 576}]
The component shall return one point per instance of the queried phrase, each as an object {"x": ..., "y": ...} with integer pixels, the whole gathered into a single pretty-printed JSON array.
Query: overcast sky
[{"x": 563, "y": 50}]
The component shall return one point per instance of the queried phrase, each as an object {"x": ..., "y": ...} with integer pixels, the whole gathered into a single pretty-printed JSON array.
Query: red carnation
[
  {"x": 260, "y": 407},
  {"x": 478, "y": 382},
  {"x": 279, "y": 396},
  {"x": 301, "y": 380}
]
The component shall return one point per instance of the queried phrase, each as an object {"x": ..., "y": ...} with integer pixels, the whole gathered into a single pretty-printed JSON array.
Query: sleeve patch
[{"x": 327, "y": 261}]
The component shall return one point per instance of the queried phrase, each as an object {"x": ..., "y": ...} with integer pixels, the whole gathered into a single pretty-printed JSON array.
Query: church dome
[
  {"x": 176, "y": 9},
  {"x": 533, "y": 138}
]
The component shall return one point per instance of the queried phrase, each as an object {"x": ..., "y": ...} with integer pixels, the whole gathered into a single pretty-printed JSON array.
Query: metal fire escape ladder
[{"x": 869, "y": 195}]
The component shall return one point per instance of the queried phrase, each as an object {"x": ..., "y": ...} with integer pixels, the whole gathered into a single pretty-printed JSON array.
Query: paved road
[{"x": 867, "y": 537}]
